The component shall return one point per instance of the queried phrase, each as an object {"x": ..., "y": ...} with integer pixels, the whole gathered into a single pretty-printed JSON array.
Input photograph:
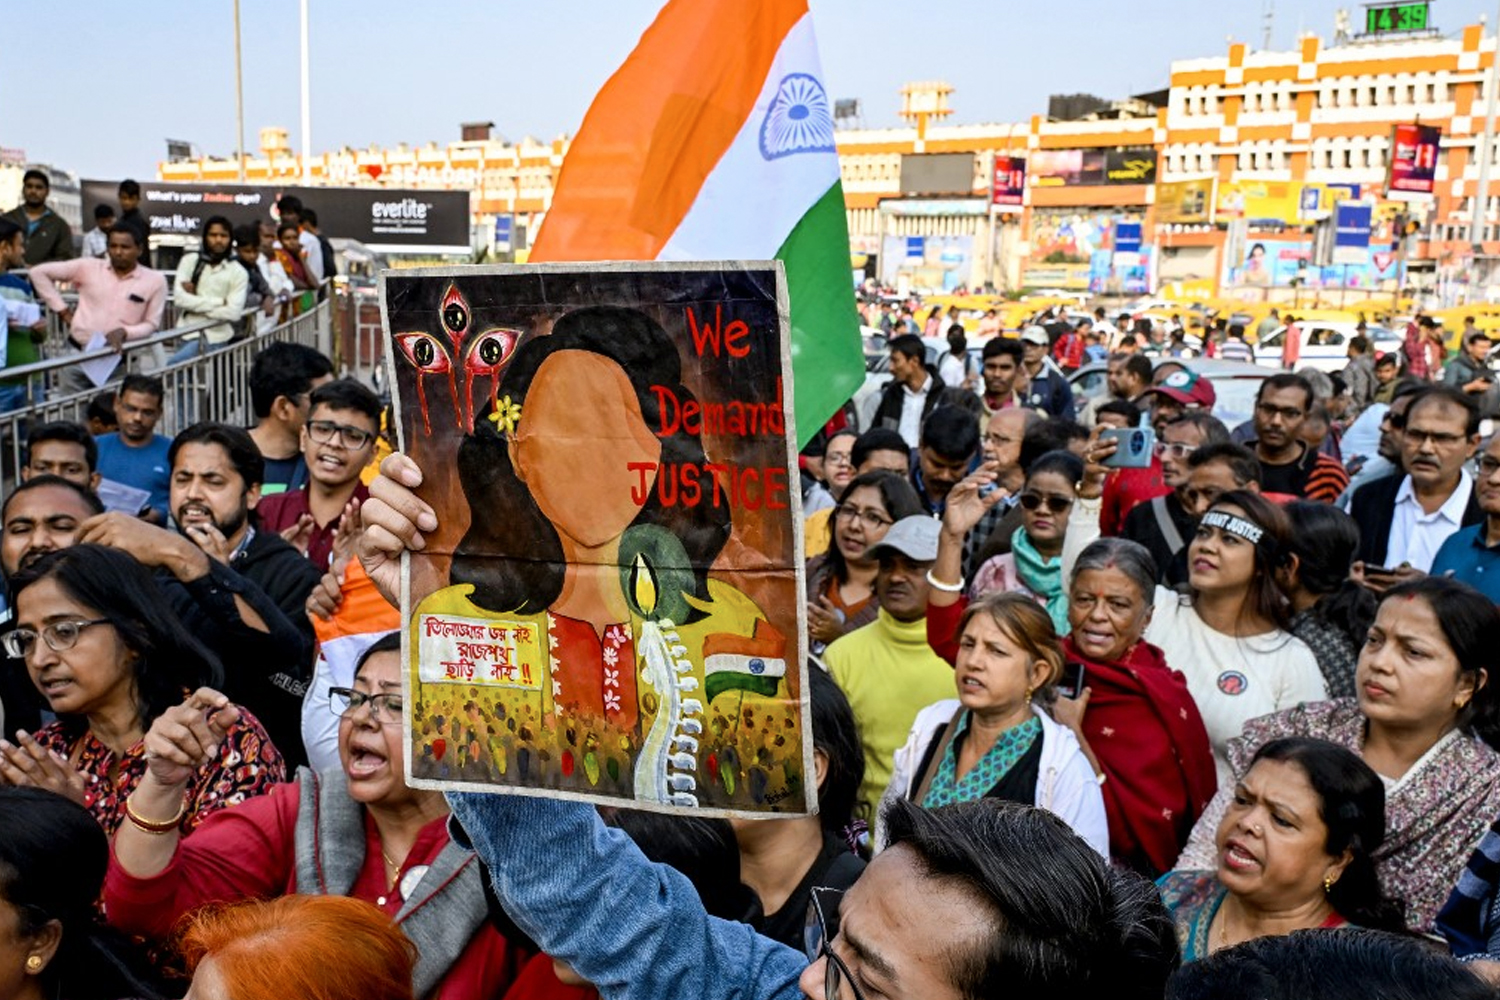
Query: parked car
[
  {"x": 1325, "y": 345},
  {"x": 1235, "y": 384}
]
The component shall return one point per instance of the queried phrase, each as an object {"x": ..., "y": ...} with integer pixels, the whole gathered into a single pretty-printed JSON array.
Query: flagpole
[
  {"x": 239, "y": 94},
  {"x": 306, "y": 104}
]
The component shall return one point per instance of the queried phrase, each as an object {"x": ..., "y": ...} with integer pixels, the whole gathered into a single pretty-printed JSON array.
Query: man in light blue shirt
[
  {"x": 1472, "y": 555},
  {"x": 135, "y": 457}
]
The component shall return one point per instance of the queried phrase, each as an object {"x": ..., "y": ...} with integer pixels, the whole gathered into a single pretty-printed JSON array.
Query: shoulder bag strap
[{"x": 937, "y": 749}]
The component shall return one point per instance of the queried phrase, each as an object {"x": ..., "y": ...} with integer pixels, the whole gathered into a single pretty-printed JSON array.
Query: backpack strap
[{"x": 1166, "y": 524}]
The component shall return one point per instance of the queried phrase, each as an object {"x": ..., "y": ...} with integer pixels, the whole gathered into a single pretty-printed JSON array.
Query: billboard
[
  {"x": 1185, "y": 202},
  {"x": 1351, "y": 233},
  {"x": 1414, "y": 158},
  {"x": 387, "y": 220},
  {"x": 937, "y": 173},
  {"x": 1131, "y": 165},
  {"x": 1093, "y": 167},
  {"x": 1287, "y": 203},
  {"x": 1009, "y": 187}
]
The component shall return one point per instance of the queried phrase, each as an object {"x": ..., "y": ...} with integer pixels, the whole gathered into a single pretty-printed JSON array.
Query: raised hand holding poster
[{"x": 609, "y": 609}]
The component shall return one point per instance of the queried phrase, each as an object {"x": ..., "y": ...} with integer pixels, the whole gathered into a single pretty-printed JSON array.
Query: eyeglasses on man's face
[
  {"x": 817, "y": 938},
  {"x": 325, "y": 431}
]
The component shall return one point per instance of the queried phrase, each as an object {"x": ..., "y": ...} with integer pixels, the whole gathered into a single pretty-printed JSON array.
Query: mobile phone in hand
[{"x": 1070, "y": 684}]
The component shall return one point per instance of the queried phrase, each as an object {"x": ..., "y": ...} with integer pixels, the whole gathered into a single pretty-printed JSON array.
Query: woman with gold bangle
[{"x": 106, "y": 651}]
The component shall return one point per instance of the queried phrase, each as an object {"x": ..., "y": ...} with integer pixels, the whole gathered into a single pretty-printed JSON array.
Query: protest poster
[{"x": 611, "y": 608}]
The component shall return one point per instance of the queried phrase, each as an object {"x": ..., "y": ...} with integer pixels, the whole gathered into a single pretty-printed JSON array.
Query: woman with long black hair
[
  {"x": 52, "y": 945},
  {"x": 1330, "y": 612}
]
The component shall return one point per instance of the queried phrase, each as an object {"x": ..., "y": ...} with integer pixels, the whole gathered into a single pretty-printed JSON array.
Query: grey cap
[{"x": 915, "y": 537}]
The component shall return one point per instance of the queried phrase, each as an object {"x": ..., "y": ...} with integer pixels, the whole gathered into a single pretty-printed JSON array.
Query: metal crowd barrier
[{"x": 212, "y": 386}]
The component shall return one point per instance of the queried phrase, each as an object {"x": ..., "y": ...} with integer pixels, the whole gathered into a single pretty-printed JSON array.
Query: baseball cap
[
  {"x": 1188, "y": 388},
  {"x": 1036, "y": 335},
  {"x": 915, "y": 537}
]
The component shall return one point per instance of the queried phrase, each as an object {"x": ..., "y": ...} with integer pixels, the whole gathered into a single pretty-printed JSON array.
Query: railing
[
  {"x": 212, "y": 386},
  {"x": 359, "y": 342}
]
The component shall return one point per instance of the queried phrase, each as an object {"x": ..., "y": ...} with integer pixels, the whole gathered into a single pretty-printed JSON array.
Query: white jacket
[
  {"x": 219, "y": 294},
  {"x": 1066, "y": 784}
]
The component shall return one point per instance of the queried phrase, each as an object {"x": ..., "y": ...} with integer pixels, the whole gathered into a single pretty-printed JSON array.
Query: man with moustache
[
  {"x": 1001, "y": 445},
  {"x": 887, "y": 669},
  {"x": 1290, "y": 467},
  {"x": 1472, "y": 555},
  {"x": 1405, "y": 518},
  {"x": 1163, "y": 524},
  {"x": 216, "y": 474}
]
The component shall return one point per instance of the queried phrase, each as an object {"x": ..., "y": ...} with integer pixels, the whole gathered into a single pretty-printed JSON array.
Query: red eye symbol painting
[{"x": 459, "y": 349}]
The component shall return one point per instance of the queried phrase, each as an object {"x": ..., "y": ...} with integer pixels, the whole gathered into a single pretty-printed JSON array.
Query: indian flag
[{"x": 714, "y": 141}]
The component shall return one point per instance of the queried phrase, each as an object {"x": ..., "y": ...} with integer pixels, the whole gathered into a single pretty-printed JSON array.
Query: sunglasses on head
[{"x": 1033, "y": 501}]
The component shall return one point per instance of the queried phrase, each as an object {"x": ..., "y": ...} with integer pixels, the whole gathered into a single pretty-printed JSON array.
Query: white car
[{"x": 1325, "y": 344}]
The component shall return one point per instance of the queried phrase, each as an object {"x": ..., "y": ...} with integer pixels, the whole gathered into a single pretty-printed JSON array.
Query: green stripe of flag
[{"x": 828, "y": 361}]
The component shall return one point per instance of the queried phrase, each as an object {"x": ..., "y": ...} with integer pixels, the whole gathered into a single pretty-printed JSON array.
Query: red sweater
[{"x": 249, "y": 852}]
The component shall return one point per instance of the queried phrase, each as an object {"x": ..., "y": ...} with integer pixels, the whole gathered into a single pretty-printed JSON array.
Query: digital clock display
[{"x": 1390, "y": 19}]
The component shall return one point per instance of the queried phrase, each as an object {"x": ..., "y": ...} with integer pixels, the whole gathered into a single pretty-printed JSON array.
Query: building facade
[{"x": 1215, "y": 184}]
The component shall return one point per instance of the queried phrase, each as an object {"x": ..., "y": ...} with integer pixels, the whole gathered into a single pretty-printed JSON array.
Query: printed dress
[{"x": 248, "y": 765}]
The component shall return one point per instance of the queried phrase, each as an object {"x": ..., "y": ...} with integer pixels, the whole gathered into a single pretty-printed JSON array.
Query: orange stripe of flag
[{"x": 659, "y": 127}]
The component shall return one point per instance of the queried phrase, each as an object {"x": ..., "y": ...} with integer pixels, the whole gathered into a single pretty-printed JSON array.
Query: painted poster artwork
[{"x": 611, "y": 608}]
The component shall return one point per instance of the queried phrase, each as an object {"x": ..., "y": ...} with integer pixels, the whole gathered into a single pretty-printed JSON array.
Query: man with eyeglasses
[
  {"x": 1405, "y": 518},
  {"x": 1472, "y": 555},
  {"x": 1178, "y": 392},
  {"x": 1291, "y": 468},
  {"x": 1163, "y": 524},
  {"x": 337, "y": 442}
]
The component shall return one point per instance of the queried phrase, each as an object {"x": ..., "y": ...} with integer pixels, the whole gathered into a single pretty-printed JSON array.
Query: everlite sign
[{"x": 386, "y": 220}]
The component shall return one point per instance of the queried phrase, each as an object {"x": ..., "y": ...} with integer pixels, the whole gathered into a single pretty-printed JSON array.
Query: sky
[{"x": 100, "y": 85}]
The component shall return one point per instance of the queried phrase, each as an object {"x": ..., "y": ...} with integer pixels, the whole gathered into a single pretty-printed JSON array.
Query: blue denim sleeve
[{"x": 588, "y": 896}]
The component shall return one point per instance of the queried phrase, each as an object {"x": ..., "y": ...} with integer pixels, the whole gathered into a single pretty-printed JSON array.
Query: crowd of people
[
  {"x": 273, "y": 270},
  {"x": 1215, "y": 723}
]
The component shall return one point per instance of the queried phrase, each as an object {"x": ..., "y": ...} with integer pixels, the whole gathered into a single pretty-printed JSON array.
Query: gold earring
[
  {"x": 34, "y": 964},
  {"x": 1327, "y": 884},
  {"x": 1028, "y": 693}
]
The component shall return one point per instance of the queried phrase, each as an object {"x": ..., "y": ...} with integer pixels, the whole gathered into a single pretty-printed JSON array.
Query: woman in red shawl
[
  {"x": 1134, "y": 716},
  {"x": 289, "y": 255}
]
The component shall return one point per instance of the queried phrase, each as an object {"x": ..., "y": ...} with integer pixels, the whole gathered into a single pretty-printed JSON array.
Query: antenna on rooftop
[{"x": 1269, "y": 17}]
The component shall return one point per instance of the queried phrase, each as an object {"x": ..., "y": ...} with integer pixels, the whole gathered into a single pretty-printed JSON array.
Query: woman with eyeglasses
[
  {"x": 841, "y": 581},
  {"x": 820, "y": 501},
  {"x": 356, "y": 831},
  {"x": 1033, "y": 566},
  {"x": 112, "y": 661},
  {"x": 1426, "y": 718}
]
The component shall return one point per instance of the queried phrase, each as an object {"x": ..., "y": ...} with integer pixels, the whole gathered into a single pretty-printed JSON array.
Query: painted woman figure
[{"x": 593, "y": 527}]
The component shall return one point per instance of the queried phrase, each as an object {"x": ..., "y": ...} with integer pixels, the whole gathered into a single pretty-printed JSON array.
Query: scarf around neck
[{"x": 1043, "y": 576}]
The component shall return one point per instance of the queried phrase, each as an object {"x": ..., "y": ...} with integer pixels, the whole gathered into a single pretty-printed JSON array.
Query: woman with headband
[{"x": 1228, "y": 634}]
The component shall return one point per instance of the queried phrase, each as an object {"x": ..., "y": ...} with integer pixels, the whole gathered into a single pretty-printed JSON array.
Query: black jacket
[
  {"x": 267, "y": 672},
  {"x": 1373, "y": 508},
  {"x": 888, "y": 413}
]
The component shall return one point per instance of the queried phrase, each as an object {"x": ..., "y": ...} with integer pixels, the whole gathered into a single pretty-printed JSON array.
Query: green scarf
[{"x": 1043, "y": 577}]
